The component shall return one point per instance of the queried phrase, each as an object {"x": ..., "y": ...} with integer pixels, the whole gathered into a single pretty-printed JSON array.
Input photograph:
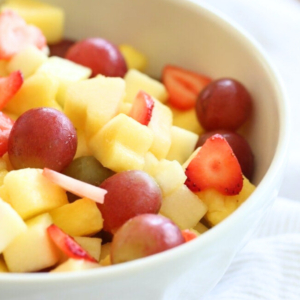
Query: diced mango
[{"x": 134, "y": 58}]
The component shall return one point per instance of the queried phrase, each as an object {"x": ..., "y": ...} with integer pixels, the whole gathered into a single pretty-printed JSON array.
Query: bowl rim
[{"x": 277, "y": 164}]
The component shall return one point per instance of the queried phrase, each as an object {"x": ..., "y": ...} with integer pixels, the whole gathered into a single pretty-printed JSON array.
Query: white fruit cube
[
  {"x": 91, "y": 245},
  {"x": 73, "y": 265},
  {"x": 11, "y": 225},
  {"x": 182, "y": 145},
  {"x": 136, "y": 81},
  {"x": 32, "y": 250},
  {"x": 27, "y": 61},
  {"x": 30, "y": 193},
  {"x": 183, "y": 207}
]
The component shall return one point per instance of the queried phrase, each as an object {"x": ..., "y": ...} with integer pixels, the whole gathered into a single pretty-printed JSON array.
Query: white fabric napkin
[{"x": 268, "y": 267}]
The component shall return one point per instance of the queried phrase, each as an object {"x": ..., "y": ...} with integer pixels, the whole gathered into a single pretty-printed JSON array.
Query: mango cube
[{"x": 134, "y": 58}]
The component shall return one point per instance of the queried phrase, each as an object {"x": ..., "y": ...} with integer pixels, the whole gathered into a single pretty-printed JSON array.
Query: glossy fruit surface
[
  {"x": 99, "y": 55},
  {"x": 144, "y": 235},
  {"x": 223, "y": 104},
  {"x": 42, "y": 137},
  {"x": 129, "y": 193},
  {"x": 240, "y": 147}
]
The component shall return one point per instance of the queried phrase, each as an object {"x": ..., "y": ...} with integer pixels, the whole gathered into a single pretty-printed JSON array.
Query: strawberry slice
[
  {"x": 188, "y": 235},
  {"x": 215, "y": 166},
  {"x": 15, "y": 34},
  {"x": 6, "y": 124},
  {"x": 9, "y": 86},
  {"x": 183, "y": 86},
  {"x": 142, "y": 108},
  {"x": 75, "y": 186},
  {"x": 67, "y": 244}
]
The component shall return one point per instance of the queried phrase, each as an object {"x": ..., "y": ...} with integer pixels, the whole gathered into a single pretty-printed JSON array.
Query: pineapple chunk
[
  {"x": 122, "y": 144},
  {"x": 221, "y": 206},
  {"x": 105, "y": 255},
  {"x": 32, "y": 250},
  {"x": 183, "y": 207},
  {"x": 82, "y": 146},
  {"x": 90, "y": 244},
  {"x": 201, "y": 228},
  {"x": 49, "y": 18},
  {"x": 39, "y": 90},
  {"x": 134, "y": 59},
  {"x": 136, "y": 81},
  {"x": 81, "y": 217},
  {"x": 11, "y": 225},
  {"x": 182, "y": 145},
  {"x": 72, "y": 265},
  {"x": 30, "y": 193},
  {"x": 27, "y": 61}
]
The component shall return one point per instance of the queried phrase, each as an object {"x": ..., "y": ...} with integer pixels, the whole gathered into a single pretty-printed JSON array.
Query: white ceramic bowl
[{"x": 192, "y": 36}]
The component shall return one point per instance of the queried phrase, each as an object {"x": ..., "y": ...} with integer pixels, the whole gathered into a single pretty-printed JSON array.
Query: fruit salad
[{"x": 100, "y": 163}]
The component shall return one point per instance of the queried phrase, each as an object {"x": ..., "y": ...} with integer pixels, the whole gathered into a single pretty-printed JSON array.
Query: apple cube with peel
[
  {"x": 182, "y": 145},
  {"x": 66, "y": 72},
  {"x": 160, "y": 124},
  {"x": 49, "y": 18},
  {"x": 221, "y": 206},
  {"x": 11, "y": 225},
  {"x": 30, "y": 193},
  {"x": 183, "y": 207},
  {"x": 134, "y": 58},
  {"x": 38, "y": 90},
  {"x": 91, "y": 245},
  {"x": 73, "y": 265},
  {"x": 136, "y": 81},
  {"x": 122, "y": 144},
  {"x": 37, "y": 249},
  {"x": 27, "y": 61},
  {"x": 82, "y": 217}
]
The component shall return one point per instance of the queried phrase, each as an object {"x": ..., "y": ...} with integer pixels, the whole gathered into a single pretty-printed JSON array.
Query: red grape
[
  {"x": 99, "y": 55},
  {"x": 144, "y": 235},
  {"x": 223, "y": 104},
  {"x": 240, "y": 148},
  {"x": 129, "y": 193},
  {"x": 60, "y": 49},
  {"x": 42, "y": 137}
]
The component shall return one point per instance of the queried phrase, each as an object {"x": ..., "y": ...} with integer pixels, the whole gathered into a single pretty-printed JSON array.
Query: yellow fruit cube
[
  {"x": 30, "y": 193},
  {"x": 134, "y": 58},
  {"x": 3, "y": 68},
  {"x": 221, "y": 206},
  {"x": 122, "y": 144},
  {"x": 32, "y": 250},
  {"x": 79, "y": 218},
  {"x": 82, "y": 146},
  {"x": 49, "y": 18},
  {"x": 91, "y": 245},
  {"x": 183, "y": 207},
  {"x": 39, "y": 90},
  {"x": 3, "y": 267},
  {"x": 136, "y": 81},
  {"x": 72, "y": 265}
]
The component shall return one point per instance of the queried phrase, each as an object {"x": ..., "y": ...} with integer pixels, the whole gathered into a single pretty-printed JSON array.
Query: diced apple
[
  {"x": 49, "y": 18},
  {"x": 32, "y": 250},
  {"x": 136, "y": 81},
  {"x": 122, "y": 144},
  {"x": 90, "y": 244},
  {"x": 79, "y": 218},
  {"x": 11, "y": 225},
  {"x": 182, "y": 145},
  {"x": 27, "y": 61},
  {"x": 72, "y": 265},
  {"x": 30, "y": 193},
  {"x": 183, "y": 207},
  {"x": 134, "y": 58}
]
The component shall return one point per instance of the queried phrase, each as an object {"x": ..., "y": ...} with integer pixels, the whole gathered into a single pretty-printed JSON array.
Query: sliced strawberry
[
  {"x": 188, "y": 235},
  {"x": 6, "y": 123},
  {"x": 15, "y": 34},
  {"x": 183, "y": 86},
  {"x": 9, "y": 86},
  {"x": 215, "y": 166},
  {"x": 75, "y": 186},
  {"x": 67, "y": 244},
  {"x": 142, "y": 108}
]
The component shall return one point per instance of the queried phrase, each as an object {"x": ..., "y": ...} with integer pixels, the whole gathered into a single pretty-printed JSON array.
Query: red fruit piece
[
  {"x": 67, "y": 244},
  {"x": 15, "y": 34},
  {"x": 188, "y": 235},
  {"x": 6, "y": 123},
  {"x": 142, "y": 108},
  {"x": 215, "y": 166},
  {"x": 183, "y": 86},
  {"x": 9, "y": 86},
  {"x": 77, "y": 187}
]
